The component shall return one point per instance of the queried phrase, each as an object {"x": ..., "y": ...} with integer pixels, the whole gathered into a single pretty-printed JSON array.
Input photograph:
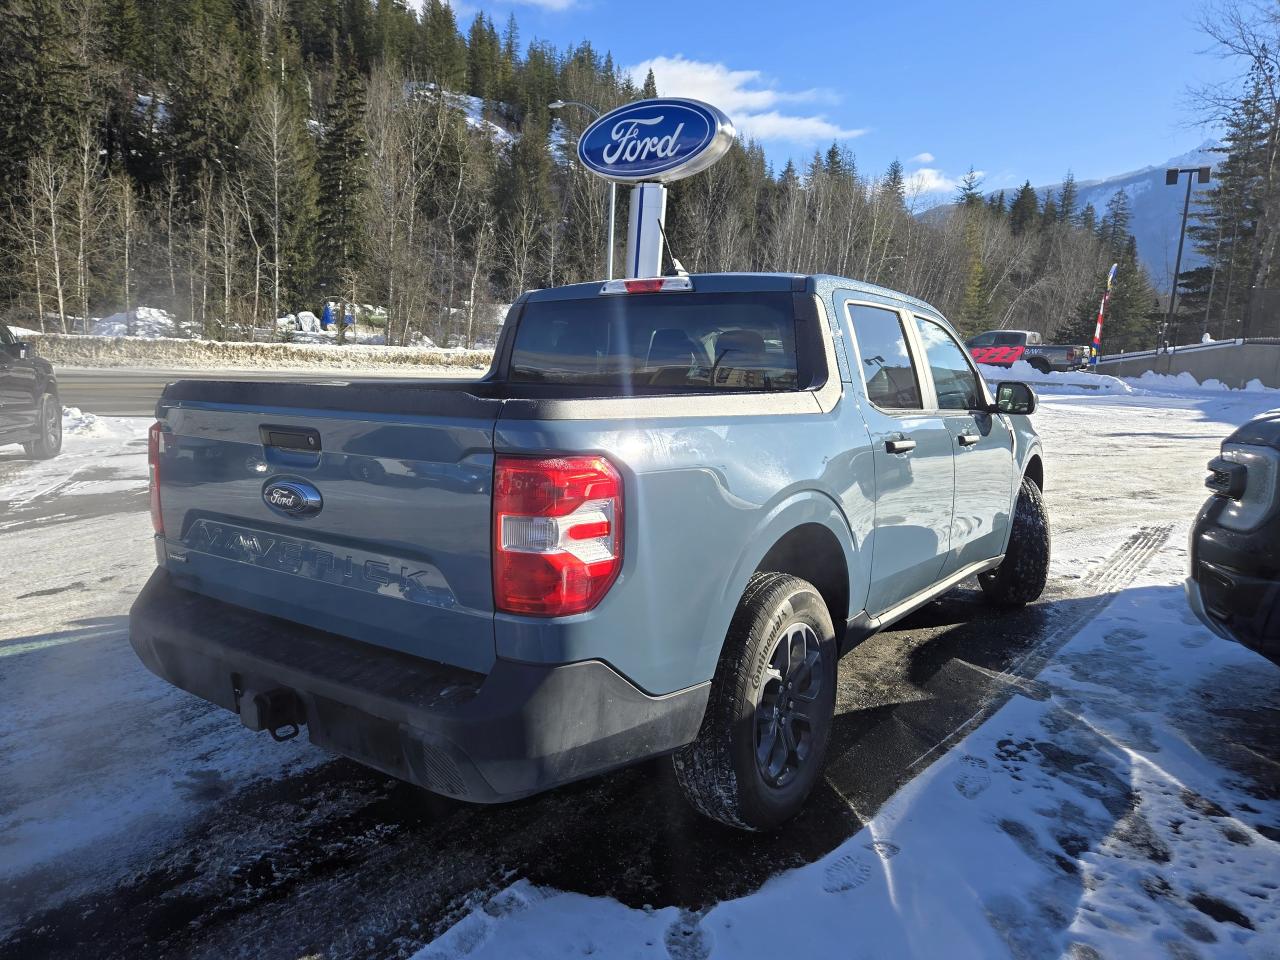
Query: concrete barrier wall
[
  {"x": 1235, "y": 364},
  {"x": 82, "y": 351}
]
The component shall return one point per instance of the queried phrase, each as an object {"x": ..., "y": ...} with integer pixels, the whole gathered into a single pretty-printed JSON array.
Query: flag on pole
[{"x": 1096, "y": 349}]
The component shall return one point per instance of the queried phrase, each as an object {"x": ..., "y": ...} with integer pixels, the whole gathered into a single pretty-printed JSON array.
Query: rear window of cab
[{"x": 698, "y": 341}]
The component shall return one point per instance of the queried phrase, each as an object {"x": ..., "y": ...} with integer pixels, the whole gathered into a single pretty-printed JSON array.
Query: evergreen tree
[
  {"x": 650, "y": 88},
  {"x": 1088, "y": 218},
  {"x": 445, "y": 53},
  {"x": 894, "y": 185},
  {"x": 393, "y": 28},
  {"x": 484, "y": 54},
  {"x": 1113, "y": 229},
  {"x": 1024, "y": 209},
  {"x": 969, "y": 193},
  {"x": 43, "y": 85},
  {"x": 1068, "y": 198},
  {"x": 1224, "y": 225},
  {"x": 996, "y": 204},
  {"x": 208, "y": 90},
  {"x": 341, "y": 174},
  {"x": 1049, "y": 212}
]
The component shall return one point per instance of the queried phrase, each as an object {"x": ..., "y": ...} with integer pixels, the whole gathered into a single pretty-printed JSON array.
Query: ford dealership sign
[{"x": 655, "y": 140}]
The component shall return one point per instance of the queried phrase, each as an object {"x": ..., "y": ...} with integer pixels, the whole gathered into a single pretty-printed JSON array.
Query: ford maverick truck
[{"x": 650, "y": 530}]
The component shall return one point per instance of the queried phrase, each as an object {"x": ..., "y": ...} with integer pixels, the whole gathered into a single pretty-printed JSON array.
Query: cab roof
[{"x": 820, "y": 283}]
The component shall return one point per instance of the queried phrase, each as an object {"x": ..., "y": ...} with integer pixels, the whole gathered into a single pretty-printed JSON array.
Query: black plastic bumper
[
  {"x": 521, "y": 729},
  {"x": 1234, "y": 587}
]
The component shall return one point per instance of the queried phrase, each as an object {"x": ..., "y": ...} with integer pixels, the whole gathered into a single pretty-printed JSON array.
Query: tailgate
[{"x": 364, "y": 522}]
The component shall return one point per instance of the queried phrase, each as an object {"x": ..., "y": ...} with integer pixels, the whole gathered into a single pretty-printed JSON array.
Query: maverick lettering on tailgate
[{"x": 415, "y": 581}]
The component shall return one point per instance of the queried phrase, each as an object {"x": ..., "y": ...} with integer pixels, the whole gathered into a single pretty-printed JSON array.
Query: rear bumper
[{"x": 521, "y": 729}]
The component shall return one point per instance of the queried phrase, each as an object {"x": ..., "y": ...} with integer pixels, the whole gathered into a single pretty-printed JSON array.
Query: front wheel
[
  {"x": 1021, "y": 577},
  {"x": 48, "y": 441},
  {"x": 768, "y": 722}
]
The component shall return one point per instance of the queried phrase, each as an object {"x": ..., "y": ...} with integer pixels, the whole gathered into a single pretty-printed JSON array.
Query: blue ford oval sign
[
  {"x": 655, "y": 140},
  {"x": 293, "y": 498}
]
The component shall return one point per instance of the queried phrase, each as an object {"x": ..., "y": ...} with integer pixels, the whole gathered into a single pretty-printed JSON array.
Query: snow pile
[
  {"x": 77, "y": 423},
  {"x": 1184, "y": 381},
  {"x": 1120, "y": 805},
  {"x": 1066, "y": 382},
  {"x": 1082, "y": 382},
  {"x": 174, "y": 354},
  {"x": 148, "y": 323}
]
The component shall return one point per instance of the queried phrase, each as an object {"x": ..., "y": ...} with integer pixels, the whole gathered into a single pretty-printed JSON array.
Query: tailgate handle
[{"x": 290, "y": 438}]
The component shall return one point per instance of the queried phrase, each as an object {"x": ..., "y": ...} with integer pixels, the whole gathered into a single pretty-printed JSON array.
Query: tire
[
  {"x": 1041, "y": 365},
  {"x": 778, "y": 618},
  {"x": 48, "y": 441},
  {"x": 1021, "y": 577}
]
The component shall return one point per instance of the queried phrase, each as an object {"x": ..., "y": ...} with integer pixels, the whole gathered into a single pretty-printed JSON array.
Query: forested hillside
[{"x": 232, "y": 161}]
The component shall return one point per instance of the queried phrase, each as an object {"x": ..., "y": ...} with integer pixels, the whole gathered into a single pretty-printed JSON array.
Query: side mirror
[{"x": 1015, "y": 397}]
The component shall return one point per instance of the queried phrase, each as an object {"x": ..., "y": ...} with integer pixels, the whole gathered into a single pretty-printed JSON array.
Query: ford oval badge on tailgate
[
  {"x": 293, "y": 498},
  {"x": 661, "y": 139}
]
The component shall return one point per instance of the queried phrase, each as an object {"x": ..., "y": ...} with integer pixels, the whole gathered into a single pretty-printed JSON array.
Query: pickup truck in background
[
  {"x": 651, "y": 529},
  {"x": 30, "y": 411},
  {"x": 1234, "y": 586},
  {"x": 1003, "y": 348}
]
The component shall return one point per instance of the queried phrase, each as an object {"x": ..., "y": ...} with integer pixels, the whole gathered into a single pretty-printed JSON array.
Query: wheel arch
[
  {"x": 808, "y": 520},
  {"x": 813, "y": 553},
  {"x": 1034, "y": 470}
]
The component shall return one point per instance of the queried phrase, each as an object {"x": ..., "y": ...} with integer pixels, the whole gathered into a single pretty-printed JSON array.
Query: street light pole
[
  {"x": 1171, "y": 177},
  {"x": 613, "y": 187}
]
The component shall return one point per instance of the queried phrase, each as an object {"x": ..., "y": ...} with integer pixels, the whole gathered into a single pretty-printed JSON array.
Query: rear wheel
[
  {"x": 1021, "y": 577},
  {"x": 1041, "y": 365},
  {"x": 768, "y": 722},
  {"x": 48, "y": 441}
]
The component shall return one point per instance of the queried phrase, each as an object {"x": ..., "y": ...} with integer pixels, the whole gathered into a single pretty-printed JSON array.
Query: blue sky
[{"x": 1017, "y": 90}]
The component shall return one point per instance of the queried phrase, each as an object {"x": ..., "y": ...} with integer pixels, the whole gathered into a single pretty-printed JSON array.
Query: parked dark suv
[
  {"x": 1234, "y": 585},
  {"x": 30, "y": 411}
]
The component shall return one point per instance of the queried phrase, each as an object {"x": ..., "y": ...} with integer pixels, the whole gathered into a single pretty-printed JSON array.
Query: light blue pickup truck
[{"x": 652, "y": 529}]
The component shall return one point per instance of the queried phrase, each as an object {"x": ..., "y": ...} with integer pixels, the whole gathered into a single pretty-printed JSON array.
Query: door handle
[
  {"x": 969, "y": 439},
  {"x": 901, "y": 445}
]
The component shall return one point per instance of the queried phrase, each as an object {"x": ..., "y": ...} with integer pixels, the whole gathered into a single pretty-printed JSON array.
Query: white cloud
[
  {"x": 931, "y": 180},
  {"x": 925, "y": 157},
  {"x": 747, "y": 97}
]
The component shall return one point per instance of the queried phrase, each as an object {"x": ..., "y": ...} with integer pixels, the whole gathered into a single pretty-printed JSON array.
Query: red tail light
[
  {"x": 557, "y": 527},
  {"x": 155, "y": 447}
]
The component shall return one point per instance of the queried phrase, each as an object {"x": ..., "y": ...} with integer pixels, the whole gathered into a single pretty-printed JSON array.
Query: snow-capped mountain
[{"x": 1156, "y": 208}]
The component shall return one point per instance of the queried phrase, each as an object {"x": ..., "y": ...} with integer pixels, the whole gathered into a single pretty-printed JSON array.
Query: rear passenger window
[
  {"x": 953, "y": 378},
  {"x": 886, "y": 362}
]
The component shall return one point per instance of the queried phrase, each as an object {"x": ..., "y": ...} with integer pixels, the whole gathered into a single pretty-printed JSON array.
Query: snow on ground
[
  {"x": 1114, "y": 809},
  {"x": 148, "y": 323},
  {"x": 75, "y": 549}
]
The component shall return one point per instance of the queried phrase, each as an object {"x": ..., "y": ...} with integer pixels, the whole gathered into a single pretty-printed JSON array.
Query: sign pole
[
  {"x": 613, "y": 208},
  {"x": 645, "y": 224},
  {"x": 1096, "y": 349}
]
